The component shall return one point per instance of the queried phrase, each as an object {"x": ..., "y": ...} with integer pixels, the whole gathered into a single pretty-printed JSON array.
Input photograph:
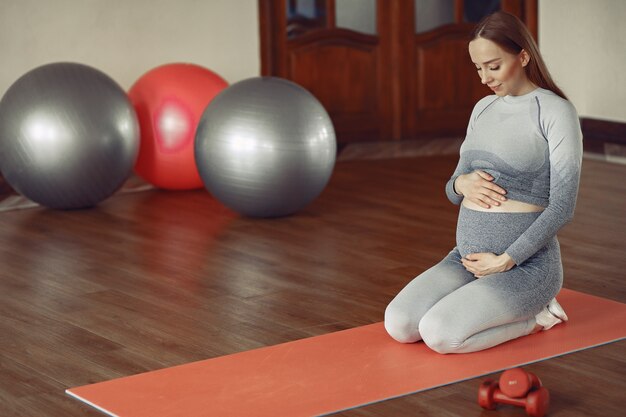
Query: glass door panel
[
  {"x": 304, "y": 16},
  {"x": 356, "y": 15},
  {"x": 431, "y": 14},
  {"x": 474, "y": 10}
]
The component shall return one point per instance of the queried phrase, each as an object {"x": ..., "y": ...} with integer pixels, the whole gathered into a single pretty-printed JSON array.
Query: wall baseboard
[{"x": 596, "y": 133}]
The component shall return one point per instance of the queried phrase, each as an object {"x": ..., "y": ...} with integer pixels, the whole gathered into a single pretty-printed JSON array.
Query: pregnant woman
[{"x": 516, "y": 183}]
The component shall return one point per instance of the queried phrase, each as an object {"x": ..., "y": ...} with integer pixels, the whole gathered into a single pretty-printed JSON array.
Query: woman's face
[{"x": 500, "y": 70}]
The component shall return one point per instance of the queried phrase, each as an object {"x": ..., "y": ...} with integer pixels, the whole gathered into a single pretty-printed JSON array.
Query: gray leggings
[{"x": 454, "y": 312}]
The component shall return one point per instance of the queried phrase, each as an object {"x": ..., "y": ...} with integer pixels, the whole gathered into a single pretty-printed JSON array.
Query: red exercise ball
[{"x": 169, "y": 101}]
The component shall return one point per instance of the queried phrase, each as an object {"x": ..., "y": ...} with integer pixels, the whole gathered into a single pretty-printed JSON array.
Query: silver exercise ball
[
  {"x": 69, "y": 136},
  {"x": 265, "y": 147}
]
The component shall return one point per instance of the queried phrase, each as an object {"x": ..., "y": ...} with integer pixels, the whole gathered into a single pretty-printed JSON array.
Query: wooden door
[
  {"x": 347, "y": 70},
  {"x": 399, "y": 71}
]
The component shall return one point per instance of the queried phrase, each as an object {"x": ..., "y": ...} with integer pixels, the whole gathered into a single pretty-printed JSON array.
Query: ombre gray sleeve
[
  {"x": 561, "y": 128},
  {"x": 463, "y": 166},
  {"x": 450, "y": 192}
]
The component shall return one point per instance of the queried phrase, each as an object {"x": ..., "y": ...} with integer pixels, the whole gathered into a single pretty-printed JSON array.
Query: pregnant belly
[{"x": 490, "y": 231}]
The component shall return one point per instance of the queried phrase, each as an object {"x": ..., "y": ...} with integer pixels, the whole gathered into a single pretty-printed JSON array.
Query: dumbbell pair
[{"x": 515, "y": 387}]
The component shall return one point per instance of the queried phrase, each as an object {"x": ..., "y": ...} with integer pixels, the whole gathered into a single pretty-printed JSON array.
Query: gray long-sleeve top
[{"x": 532, "y": 146}]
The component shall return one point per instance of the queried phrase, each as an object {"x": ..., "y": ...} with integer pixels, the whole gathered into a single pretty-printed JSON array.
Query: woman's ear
[{"x": 524, "y": 57}]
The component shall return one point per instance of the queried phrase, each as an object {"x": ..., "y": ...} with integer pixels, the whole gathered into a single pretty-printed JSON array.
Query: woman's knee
[
  {"x": 400, "y": 325},
  {"x": 438, "y": 335}
]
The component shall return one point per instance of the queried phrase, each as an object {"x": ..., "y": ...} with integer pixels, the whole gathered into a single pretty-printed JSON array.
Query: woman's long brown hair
[{"x": 507, "y": 31}]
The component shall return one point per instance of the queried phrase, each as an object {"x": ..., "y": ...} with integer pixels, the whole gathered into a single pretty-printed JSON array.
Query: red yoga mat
[{"x": 342, "y": 370}]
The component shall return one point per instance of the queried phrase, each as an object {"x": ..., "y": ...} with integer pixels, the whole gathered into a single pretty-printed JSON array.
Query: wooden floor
[{"x": 155, "y": 279}]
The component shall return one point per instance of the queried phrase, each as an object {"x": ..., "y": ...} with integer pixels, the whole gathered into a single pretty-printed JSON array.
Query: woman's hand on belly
[
  {"x": 483, "y": 264},
  {"x": 478, "y": 187}
]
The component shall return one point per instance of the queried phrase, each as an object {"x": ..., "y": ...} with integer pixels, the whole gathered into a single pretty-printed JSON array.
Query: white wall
[
  {"x": 126, "y": 38},
  {"x": 584, "y": 45},
  {"x": 583, "y": 42}
]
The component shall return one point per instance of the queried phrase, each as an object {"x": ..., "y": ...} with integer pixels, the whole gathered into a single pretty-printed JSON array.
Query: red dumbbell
[{"x": 515, "y": 387}]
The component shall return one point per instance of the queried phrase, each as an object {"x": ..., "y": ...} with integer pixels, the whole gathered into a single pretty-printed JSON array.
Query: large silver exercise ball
[
  {"x": 265, "y": 147},
  {"x": 69, "y": 136}
]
